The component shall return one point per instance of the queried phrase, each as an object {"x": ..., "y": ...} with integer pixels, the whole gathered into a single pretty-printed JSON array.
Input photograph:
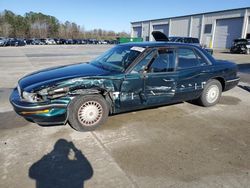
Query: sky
[{"x": 116, "y": 15}]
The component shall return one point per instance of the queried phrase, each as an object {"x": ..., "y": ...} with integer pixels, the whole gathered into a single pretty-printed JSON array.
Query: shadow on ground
[
  {"x": 247, "y": 88},
  {"x": 64, "y": 167},
  {"x": 229, "y": 100}
]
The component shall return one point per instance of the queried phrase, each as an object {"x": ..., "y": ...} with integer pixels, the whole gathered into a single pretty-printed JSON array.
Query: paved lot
[{"x": 180, "y": 145}]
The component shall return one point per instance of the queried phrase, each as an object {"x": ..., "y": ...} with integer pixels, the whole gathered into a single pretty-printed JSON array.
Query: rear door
[{"x": 193, "y": 72}]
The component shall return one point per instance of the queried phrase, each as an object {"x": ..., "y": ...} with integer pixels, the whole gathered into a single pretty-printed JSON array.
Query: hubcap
[
  {"x": 212, "y": 94},
  {"x": 90, "y": 113}
]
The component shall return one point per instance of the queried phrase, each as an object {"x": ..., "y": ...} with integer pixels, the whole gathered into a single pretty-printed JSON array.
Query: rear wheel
[
  {"x": 211, "y": 93},
  {"x": 86, "y": 113}
]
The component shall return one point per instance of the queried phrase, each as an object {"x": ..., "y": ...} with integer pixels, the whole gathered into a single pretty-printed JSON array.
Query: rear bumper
[
  {"x": 50, "y": 113},
  {"x": 229, "y": 84}
]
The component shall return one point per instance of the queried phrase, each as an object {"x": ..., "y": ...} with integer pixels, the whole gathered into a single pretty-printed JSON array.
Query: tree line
[{"x": 39, "y": 25}]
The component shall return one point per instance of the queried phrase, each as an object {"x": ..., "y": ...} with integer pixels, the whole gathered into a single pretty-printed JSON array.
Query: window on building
[{"x": 208, "y": 29}]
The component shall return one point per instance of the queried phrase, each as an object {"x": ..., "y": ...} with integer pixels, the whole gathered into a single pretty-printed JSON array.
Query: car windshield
[{"x": 118, "y": 58}]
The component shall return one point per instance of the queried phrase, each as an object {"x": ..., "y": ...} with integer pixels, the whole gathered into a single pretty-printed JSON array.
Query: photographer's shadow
[{"x": 64, "y": 167}]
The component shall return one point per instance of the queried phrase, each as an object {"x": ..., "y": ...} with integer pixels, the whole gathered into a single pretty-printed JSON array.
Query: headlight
[{"x": 29, "y": 97}]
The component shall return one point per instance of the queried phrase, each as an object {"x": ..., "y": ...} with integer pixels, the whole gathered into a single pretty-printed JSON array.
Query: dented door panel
[
  {"x": 190, "y": 83},
  {"x": 160, "y": 88},
  {"x": 131, "y": 96}
]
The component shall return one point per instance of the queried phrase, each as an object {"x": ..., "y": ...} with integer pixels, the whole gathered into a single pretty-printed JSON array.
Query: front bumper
[
  {"x": 45, "y": 113},
  {"x": 229, "y": 84}
]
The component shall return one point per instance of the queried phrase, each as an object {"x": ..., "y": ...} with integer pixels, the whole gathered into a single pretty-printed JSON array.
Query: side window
[
  {"x": 143, "y": 63},
  {"x": 195, "y": 40},
  {"x": 165, "y": 61},
  {"x": 179, "y": 40},
  {"x": 187, "y": 58},
  {"x": 188, "y": 40}
]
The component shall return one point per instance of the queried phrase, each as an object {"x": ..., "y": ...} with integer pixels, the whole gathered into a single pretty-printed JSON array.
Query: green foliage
[{"x": 39, "y": 25}]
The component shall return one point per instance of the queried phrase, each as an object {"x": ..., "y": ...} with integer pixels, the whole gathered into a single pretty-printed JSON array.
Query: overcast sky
[{"x": 117, "y": 14}]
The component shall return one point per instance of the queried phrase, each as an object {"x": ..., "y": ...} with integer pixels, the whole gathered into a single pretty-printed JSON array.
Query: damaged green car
[{"x": 128, "y": 77}]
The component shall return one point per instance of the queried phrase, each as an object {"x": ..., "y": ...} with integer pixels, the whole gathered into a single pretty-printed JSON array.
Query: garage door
[
  {"x": 226, "y": 31},
  {"x": 137, "y": 31},
  {"x": 162, "y": 28}
]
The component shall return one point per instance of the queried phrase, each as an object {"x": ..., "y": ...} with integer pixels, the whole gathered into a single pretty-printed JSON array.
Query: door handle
[
  {"x": 168, "y": 80},
  {"x": 205, "y": 71},
  {"x": 144, "y": 75}
]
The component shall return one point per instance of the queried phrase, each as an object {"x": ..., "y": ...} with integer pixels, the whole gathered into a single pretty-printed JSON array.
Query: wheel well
[{"x": 222, "y": 81}]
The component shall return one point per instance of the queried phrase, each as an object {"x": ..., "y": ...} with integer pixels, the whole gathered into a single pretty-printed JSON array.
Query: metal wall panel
[
  {"x": 162, "y": 28},
  {"x": 226, "y": 31},
  {"x": 145, "y": 31},
  {"x": 248, "y": 27},
  {"x": 196, "y": 26},
  {"x": 180, "y": 27}
]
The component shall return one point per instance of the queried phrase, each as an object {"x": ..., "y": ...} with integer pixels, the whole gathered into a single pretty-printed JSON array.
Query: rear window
[
  {"x": 195, "y": 40},
  {"x": 187, "y": 58}
]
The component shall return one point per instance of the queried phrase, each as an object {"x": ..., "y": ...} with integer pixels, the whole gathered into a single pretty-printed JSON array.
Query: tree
[{"x": 39, "y": 25}]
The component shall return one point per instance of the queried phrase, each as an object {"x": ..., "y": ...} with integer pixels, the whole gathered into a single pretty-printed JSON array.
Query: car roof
[{"x": 157, "y": 44}]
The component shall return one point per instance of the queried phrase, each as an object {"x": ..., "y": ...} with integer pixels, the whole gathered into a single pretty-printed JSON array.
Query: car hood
[
  {"x": 159, "y": 36},
  {"x": 48, "y": 77}
]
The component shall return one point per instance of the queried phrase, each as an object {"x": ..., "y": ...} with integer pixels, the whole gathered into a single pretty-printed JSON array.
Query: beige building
[{"x": 215, "y": 29}]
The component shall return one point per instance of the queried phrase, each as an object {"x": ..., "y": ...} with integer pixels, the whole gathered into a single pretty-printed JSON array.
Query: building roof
[{"x": 204, "y": 13}]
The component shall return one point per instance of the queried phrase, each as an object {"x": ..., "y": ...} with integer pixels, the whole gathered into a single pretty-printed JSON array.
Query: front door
[
  {"x": 131, "y": 92},
  {"x": 161, "y": 78},
  {"x": 151, "y": 82}
]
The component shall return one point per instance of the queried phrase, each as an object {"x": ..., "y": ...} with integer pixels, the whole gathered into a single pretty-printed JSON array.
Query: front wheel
[
  {"x": 86, "y": 113},
  {"x": 211, "y": 93}
]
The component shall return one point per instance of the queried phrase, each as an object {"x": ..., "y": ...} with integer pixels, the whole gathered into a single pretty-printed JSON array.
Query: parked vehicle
[
  {"x": 92, "y": 41},
  {"x": 36, "y": 41},
  {"x": 128, "y": 77},
  {"x": 56, "y": 40},
  {"x": 50, "y": 41},
  {"x": 70, "y": 41},
  {"x": 3, "y": 41},
  {"x": 61, "y": 41},
  {"x": 241, "y": 46},
  {"x": 189, "y": 40},
  {"x": 15, "y": 42},
  {"x": 29, "y": 41}
]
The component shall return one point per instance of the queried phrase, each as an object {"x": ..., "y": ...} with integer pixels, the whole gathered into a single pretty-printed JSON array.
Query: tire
[
  {"x": 211, "y": 93},
  {"x": 86, "y": 113}
]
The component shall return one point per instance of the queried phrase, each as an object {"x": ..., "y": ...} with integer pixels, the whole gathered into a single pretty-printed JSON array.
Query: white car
[{"x": 50, "y": 41}]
